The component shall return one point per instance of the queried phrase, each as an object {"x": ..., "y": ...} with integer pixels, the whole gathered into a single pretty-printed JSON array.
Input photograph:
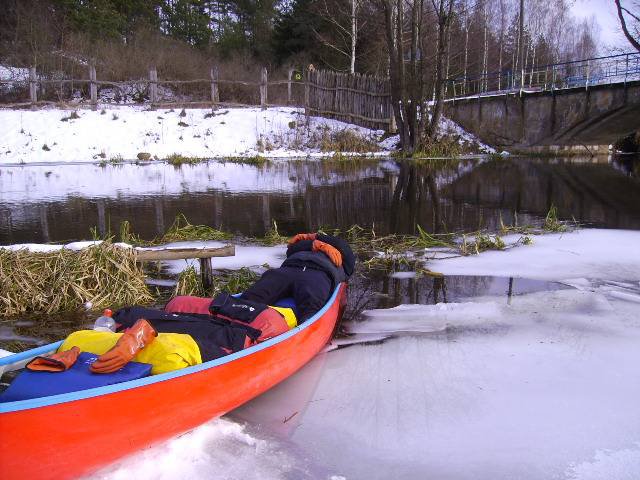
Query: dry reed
[{"x": 64, "y": 280}]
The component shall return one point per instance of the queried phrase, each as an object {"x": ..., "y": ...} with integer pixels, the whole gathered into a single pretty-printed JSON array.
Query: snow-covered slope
[
  {"x": 121, "y": 133},
  {"x": 124, "y": 132}
]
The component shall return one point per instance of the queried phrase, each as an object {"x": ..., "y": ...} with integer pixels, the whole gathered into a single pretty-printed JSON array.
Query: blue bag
[{"x": 35, "y": 384}]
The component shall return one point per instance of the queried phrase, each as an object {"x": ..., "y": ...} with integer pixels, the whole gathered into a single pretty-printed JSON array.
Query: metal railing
[{"x": 620, "y": 68}]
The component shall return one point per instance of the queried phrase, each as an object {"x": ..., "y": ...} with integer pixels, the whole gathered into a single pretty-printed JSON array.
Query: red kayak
[{"x": 73, "y": 434}]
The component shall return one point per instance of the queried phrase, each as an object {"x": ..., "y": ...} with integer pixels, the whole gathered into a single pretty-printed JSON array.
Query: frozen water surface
[{"x": 545, "y": 386}]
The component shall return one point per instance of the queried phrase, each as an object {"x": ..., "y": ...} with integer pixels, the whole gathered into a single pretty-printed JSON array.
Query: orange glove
[
  {"x": 302, "y": 236},
  {"x": 129, "y": 344},
  {"x": 58, "y": 362},
  {"x": 333, "y": 253}
]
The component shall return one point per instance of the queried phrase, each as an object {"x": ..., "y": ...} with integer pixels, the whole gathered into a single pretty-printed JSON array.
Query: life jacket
[
  {"x": 271, "y": 321},
  {"x": 263, "y": 317},
  {"x": 167, "y": 352}
]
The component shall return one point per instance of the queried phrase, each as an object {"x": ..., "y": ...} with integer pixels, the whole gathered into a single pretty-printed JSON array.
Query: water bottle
[{"x": 105, "y": 323}]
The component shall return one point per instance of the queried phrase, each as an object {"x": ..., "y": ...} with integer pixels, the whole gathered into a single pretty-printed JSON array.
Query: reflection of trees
[
  {"x": 592, "y": 193},
  {"x": 627, "y": 164},
  {"x": 376, "y": 289},
  {"x": 439, "y": 197},
  {"x": 415, "y": 192}
]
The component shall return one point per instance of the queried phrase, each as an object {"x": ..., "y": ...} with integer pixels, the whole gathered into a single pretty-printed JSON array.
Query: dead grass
[{"x": 103, "y": 274}]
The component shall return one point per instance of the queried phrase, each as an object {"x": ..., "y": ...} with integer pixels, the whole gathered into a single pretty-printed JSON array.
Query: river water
[
  {"x": 530, "y": 378},
  {"x": 53, "y": 203}
]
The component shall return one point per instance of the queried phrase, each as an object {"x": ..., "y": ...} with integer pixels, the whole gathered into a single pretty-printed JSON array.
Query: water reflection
[
  {"x": 379, "y": 289},
  {"x": 56, "y": 203}
]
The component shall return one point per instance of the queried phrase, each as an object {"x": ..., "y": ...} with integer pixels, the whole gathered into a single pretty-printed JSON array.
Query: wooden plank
[{"x": 180, "y": 253}]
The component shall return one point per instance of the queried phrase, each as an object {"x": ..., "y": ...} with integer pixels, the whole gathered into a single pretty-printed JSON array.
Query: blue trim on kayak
[
  {"x": 95, "y": 392},
  {"x": 18, "y": 357}
]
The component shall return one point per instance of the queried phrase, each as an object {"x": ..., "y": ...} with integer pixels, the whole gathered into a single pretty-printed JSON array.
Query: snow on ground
[
  {"x": 452, "y": 129},
  {"x": 543, "y": 386},
  {"x": 123, "y": 132},
  {"x": 252, "y": 256},
  {"x": 118, "y": 133}
]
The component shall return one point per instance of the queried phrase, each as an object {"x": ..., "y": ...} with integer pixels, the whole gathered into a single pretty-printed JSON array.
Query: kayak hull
[{"x": 68, "y": 435}]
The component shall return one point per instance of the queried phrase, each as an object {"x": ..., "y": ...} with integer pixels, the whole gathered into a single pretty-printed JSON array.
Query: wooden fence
[{"x": 359, "y": 99}]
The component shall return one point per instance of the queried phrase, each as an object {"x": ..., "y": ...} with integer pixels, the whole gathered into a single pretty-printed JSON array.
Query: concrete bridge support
[{"x": 558, "y": 121}]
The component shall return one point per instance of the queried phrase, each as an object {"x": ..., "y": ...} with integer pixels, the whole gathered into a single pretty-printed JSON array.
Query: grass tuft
[
  {"x": 179, "y": 159},
  {"x": 189, "y": 283},
  {"x": 257, "y": 160},
  {"x": 182, "y": 230},
  {"x": 551, "y": 222}
]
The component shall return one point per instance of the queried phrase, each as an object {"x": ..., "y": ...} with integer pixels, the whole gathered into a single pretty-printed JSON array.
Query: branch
[
  {"x": 332, "y": 20},
  {"x": 326, "y": 43},
  {"x": 631, "y": 14},
  {"x": 627, "y": 34}
]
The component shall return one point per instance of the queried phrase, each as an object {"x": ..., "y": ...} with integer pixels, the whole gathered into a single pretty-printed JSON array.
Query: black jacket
[{"x": 300, "y": 255}]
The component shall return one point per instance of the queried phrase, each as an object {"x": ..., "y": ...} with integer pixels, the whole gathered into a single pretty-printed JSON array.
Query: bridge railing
[{"x": 577, "y": 74}]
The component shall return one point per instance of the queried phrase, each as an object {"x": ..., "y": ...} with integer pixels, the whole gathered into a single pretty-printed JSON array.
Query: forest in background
[
  {"x": 182, "y": 38},
  {"x": 418, "y": 44}
]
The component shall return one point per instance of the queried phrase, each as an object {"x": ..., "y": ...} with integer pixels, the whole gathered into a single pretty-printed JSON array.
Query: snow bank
[
  {"x": 447, "y": 128},
  {"x": 44, "y": 247},
  {"x": 123, "y": 132},
  {"x": 251, "y": 256},
  {"x": 119, "y": 133}
]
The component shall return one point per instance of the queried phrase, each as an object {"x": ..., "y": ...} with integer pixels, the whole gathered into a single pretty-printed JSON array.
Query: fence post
[
  {"x": 215, "y": 95},
  {"x": 33, "y": 86},
  {"x": 153, "y": 86},
  {"x": 289, "y": 77},
  {"x": 93, "y": 87},
  {"x": 263, "y": 88}
]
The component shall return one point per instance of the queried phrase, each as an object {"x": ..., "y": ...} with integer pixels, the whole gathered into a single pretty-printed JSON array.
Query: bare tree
[
  {"x": 444, "y": 15},
  {"x": 345, "y": 35},
  {"x": 633, "y": 33},
  {"x": 403, "y": 23}
]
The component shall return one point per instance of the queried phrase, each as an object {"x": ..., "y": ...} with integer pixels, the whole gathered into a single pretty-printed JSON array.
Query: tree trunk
[
  {"x": 444, "y": 22},
  {"x": 354, "y": 37}
]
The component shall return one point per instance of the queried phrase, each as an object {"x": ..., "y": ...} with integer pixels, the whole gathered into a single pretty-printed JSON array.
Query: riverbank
[{"x": 120, "y": 134}]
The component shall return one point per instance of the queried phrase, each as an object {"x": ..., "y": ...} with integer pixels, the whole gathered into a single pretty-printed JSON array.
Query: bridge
[{"x": 561, "y": 107}]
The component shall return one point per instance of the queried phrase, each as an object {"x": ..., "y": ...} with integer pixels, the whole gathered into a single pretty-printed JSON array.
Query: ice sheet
[{"x": 587, "y": 253}]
